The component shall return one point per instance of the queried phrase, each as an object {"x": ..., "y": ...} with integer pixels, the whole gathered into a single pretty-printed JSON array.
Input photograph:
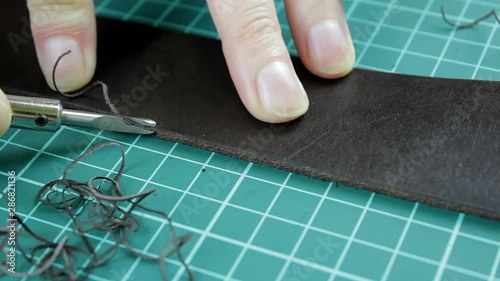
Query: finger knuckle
[
  {"x": 323, "y": 9},
  {"x": 256, "y": 25},
  {"x": 57, "y": 5},
  {"x": 55, "y": 14}
]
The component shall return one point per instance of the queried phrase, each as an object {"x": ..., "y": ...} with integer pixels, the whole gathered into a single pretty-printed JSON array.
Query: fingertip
[
  {"x": 5, "y": 113},
  {"x": 276, "y": 94},
  {"x": 68, "y": 26},
  {"x": 264, "y": 115},
  {"x": 281, "y": 95},
  {"x": 330, "y": 51},
  {"x": 322, "y": 37},
  {"x": 258, "y": 60},
  {"x": 74, "y": 70}
]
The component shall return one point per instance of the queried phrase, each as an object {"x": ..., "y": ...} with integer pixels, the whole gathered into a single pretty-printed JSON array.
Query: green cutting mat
[{"x": 256, "y": 223}]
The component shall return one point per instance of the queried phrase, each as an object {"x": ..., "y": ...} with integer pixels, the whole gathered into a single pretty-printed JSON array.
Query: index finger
[{"x": 65, "y": 25}]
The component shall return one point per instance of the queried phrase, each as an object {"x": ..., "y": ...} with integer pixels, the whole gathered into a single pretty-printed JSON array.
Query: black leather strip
[{"x": 433, "y": 140}]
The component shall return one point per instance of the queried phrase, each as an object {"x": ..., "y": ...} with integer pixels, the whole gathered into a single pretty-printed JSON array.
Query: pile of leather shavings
[{"x": 105, "y": 211}]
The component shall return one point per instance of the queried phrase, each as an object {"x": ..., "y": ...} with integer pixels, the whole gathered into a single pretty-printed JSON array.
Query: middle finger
[{"x": 258, "y": 60}]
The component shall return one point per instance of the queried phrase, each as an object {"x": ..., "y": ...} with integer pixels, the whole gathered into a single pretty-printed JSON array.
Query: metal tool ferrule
[{"x": 35, "y": 113}]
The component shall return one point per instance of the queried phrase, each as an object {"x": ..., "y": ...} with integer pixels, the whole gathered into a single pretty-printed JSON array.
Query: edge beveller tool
[{"x": 43, "y": 114}]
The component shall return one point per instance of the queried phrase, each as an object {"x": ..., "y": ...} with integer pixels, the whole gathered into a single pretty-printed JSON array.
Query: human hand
[
  {"x": 255, "y": 51},
  {"x": 258, "y": 58},
  {"x": 58, "y": 26}
]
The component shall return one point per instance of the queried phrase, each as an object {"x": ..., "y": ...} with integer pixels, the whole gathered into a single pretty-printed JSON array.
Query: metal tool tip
[{"x": 143, "y": 126}]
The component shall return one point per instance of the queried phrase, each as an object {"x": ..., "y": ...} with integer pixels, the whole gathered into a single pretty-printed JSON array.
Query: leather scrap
[{"x": 431, "y": 140}]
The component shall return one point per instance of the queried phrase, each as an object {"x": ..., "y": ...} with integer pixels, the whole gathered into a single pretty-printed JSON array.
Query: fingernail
[
  {"x": 329, "y": 49},
  {"x": 280, "y": 91},
  {"x": 71, "y": 73}
]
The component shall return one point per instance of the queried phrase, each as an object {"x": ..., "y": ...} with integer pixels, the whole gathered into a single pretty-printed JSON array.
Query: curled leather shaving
[
  {"x": 90, "y": 87},
  {"x": 106, "y": 211},
  {"x": 493, "y": 14}
]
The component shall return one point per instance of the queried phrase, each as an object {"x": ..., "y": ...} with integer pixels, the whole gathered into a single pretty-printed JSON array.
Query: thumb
[
  {"x": 57, "y": 27},
  {"x": 5, "y": 113}
]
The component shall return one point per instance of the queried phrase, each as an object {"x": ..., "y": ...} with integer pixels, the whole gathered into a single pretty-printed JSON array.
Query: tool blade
[
  {"x": 116, "y": 124},
  {"x": 107, "y": 122}
]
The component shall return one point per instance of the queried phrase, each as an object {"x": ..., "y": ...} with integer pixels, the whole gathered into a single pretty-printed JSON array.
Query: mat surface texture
[{"x": 432, "y": 140}]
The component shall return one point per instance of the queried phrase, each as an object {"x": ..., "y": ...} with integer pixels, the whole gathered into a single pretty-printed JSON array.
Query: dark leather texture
[{"x": 432, "y": 140}]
